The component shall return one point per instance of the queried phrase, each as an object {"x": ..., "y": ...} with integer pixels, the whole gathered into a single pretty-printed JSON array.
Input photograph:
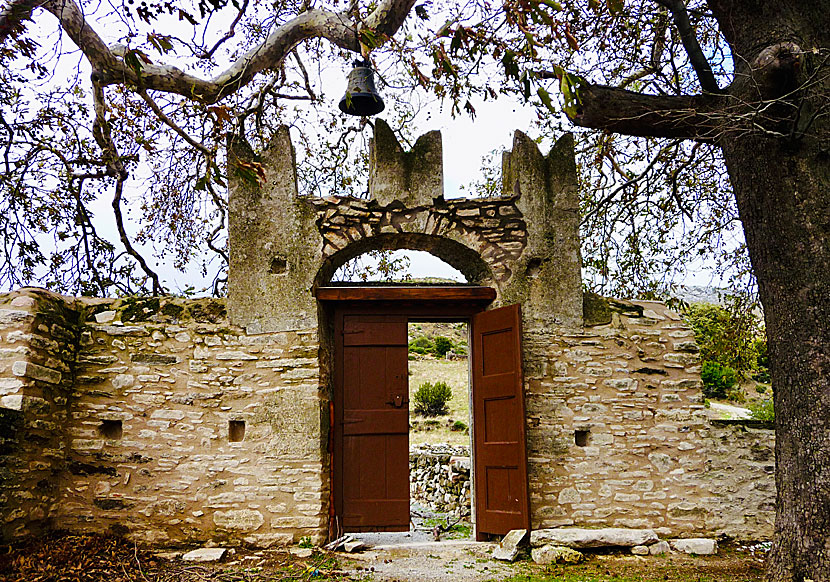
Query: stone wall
[
  {"x": 37, "y": 351},
  {"x": 614, "y": 419},
  {"x": 185, "y": 428},
  {"x": 158, "y": 419},
  {"x": 739, "y": 475},
  {"x": 439, "y": 478}
]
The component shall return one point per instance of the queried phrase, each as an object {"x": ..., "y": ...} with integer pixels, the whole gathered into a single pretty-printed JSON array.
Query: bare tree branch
[
  {"x": 110, "y": 68},
  {"x": 172, "y": 125},
  {"x": 695, "y": 117},
  {"x": 228, "y": 35},
  {"x": 116, "y": 168},
  {"x": 687, "y": 34}
]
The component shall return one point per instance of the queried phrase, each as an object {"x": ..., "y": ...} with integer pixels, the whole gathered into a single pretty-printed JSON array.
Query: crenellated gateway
[{"x": 281, "y": 412}]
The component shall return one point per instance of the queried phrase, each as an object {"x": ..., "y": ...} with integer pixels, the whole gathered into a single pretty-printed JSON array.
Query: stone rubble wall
[
  {"x": 117, "y": 415},
  {"x": 38, "y": 341},
  {"x": 166, "y": 378},
  {"x": 439, "y": 478},
  {"x": 739, "y": 474},
  {"x": 629, "y": 382}
]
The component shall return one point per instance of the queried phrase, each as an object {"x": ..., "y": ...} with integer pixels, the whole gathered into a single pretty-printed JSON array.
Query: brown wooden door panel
[
  {"x": 357, "y": 422},
  {"x": 372, "y": 330},
  {"x": 502, "y": 501},
  {"x": 372, "y": 423}
]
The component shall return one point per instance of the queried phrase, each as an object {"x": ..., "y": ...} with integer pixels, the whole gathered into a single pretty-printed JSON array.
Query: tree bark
[
  {"x": 773, "y": 126},
  {"x": 109, "y": 66},
  {"x": 781, "y": 178},
  {"x": 783, "y": 201}
]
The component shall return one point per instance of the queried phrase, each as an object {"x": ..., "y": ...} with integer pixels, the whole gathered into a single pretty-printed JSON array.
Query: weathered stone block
[
  {"x": 36, "y": 372},
  {"x": 205, "y": 555},
  {"x": 592, "y": 538},
  {"x": 551, "y": 554},
  {"x": 698, "y": 546},
  {"x": 239, "y": 519}
]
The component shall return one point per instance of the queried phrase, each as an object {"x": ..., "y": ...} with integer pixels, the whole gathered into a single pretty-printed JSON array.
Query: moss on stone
[
  {"x": 139, "y": 308},
  {"x": 208, "y": 311},
  {"x": 595, "y": 309},
  {"x": 171, "y": 309}
]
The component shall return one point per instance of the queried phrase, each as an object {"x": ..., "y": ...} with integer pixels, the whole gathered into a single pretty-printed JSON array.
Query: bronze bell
[{"x": 361, "y": 98}]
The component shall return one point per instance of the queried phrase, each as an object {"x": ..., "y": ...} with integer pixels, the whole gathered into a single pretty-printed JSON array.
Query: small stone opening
[
  {"x": 236, "y": 431},
  {"x": 111, "y": 429},
  {"x": 278, "y": 266},
  {"x": 581, "y": 437}
]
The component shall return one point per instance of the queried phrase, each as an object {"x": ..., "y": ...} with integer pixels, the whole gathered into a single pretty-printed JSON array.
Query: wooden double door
[{"x": 371, "y": 420}]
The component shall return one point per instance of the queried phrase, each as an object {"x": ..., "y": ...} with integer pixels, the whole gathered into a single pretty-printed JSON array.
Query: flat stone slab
[
  {"x": 573, "y": 537},
  {"x": 354, "y": 546},
  {"x": 556, "y": 555},
  {"x": 508, "y": 548},
  {"x": 205, "y": 555},
  {"x": 698, "y": 546}
]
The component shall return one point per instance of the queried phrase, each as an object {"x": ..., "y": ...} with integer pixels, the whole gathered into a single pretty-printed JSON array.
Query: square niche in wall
[
  {"x": 111, "y": 429},
  {"x": 236, "y": 431},
  {"x": 581, "y": 437}
]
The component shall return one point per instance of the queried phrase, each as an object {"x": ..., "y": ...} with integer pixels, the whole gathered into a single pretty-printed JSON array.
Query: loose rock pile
[
  {"x": 439, "y": 477},
  {"x": 559, "y": 545}
]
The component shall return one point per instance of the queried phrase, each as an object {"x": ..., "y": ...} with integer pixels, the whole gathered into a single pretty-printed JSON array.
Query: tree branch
[
  {"x": 13, "y": 15},
  {"x": 115, "y": 167},
  {"x": 109, "y": 68},
  {"x": 687, "y": 35},
  {"x": 172, "y": 125},
  {"x": 697, "y": 117}
]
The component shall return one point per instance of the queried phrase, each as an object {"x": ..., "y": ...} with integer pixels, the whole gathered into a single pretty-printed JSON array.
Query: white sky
[{"x": 465, "y": 143}]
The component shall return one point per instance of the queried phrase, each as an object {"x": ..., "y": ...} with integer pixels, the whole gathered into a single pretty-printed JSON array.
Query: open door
[
  {"x": 372, "y": 423},
  {"x": 502, "y": 501}
]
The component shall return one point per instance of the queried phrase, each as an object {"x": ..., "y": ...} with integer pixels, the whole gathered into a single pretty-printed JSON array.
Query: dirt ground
[{"x": 72, "y": 558}]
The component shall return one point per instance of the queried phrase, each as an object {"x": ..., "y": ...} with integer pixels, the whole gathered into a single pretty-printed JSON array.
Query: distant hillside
[{"x": 700, "y": 294}]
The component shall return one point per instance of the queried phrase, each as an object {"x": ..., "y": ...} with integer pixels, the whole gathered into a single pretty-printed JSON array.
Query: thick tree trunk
[
  {"x": 780, "y": 172},
  {"x": 783, "y": 196},
  {"x": 773, "y": 124}
]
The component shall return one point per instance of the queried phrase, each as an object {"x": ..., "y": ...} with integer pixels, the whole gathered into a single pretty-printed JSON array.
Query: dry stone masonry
[
  {"x": 177, "y": 421},
  {"x": 439, "y": 477}
]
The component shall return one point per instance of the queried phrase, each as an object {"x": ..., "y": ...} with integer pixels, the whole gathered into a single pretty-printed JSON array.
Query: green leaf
[
  {"x": 160, "y": 42},
  {"x": 133, "y": 59},
  {"x": 546, "y": 100},
  {"x": 615, "y": 6},
  {"x": 508, "y": 61},
  {"x": 369, "y": 37}
]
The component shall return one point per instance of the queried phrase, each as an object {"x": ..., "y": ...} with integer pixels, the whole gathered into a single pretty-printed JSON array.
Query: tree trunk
[
  {"x": 773, "y": 124},
  {"x": 783, "y": 200},
  {"x": 782, "y": 188}
]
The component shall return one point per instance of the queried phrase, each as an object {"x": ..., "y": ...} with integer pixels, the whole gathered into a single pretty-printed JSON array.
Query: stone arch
[
  {"x": 454, "y": 253},
  {"x": 524, "y": 243}
]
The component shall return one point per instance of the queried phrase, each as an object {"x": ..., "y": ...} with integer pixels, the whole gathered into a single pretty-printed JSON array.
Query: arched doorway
[{"x": 369, "y": 414}]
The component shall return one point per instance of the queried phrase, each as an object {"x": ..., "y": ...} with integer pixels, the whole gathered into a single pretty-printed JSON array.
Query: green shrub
[
  {"x": 717, "y": 379},
  {"x": 762, "y": 411},
  {"x": 760, "y": 388},
  {"x": 458, "y": 426},
  {"x": 732, "y": 337},
  {"x": 431, "y": 399},
  {"x": 421, "y": 345},
  {"x": 736, "y": 395},
  {"x": 442, "y": 345}
]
